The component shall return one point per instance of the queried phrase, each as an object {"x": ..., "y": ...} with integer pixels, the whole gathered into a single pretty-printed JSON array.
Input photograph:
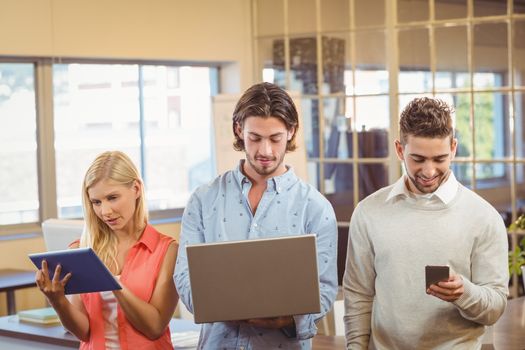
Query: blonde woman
[{"x": 142, "y": 259}]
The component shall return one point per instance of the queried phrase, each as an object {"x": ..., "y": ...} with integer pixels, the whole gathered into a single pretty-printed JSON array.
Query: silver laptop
[
  {"x": 59, "y": 234},
  {"x": 238, "y": 280}
]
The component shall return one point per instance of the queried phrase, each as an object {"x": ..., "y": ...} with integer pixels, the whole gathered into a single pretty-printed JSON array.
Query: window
[
  {"x": 159, "y": 115},
  {"x": 491, "y": 123},
  {"x": 18, "y": 147},
  {"x": 470, "y": 53}
]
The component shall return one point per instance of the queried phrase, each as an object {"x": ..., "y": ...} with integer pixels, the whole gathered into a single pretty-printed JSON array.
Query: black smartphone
[{"x": 435, "y": 274}]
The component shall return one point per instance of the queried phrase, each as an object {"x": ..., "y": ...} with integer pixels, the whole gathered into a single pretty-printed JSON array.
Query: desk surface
[
  {"x": 11, "y": 279},
  {"x": 49, "y": 334},
  {"x": 56, "y": 335},
  {"x": 509, "y": 331}
]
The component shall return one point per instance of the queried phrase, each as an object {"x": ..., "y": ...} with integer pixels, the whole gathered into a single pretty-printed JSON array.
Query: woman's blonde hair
[{"x": 117, "y": 167}]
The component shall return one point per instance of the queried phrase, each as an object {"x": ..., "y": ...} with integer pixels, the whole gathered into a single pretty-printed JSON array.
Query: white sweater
[{"x": 391, "y": 241}]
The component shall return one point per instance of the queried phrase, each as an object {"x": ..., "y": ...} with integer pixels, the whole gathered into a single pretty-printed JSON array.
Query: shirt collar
[
  {"x": 277, "y": 183},
  {"x": 445, "y": 192},
  {"x": 148, "y": 238},
  {"x": 398, "y": 189}
]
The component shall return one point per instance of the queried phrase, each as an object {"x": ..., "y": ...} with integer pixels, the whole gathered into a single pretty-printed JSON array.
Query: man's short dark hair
[
  {"x": 426, "y": 117},
  {"x": 266, "y": 100}
]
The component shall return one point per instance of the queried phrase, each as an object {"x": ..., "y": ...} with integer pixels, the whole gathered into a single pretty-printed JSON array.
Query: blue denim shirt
[{"x": 220, "y": 211}]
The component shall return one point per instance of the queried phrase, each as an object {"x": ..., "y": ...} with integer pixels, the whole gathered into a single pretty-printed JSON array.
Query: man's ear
[
  {"x": 454, "y": 147},
  {"x": 238, "y": 130},
  {"x": 400, "y": 149},
  {"x": 291, "y": 132}
]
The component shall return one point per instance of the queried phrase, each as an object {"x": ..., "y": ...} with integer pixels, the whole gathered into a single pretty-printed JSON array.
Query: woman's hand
[{"x": 53, "y": 289}]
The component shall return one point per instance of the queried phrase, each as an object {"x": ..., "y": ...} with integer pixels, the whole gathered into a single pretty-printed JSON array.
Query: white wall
[{"x": 175, "y": 30}]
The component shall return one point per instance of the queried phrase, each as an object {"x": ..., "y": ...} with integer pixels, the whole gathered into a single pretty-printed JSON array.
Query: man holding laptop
[{"x": 261, "y": 198}]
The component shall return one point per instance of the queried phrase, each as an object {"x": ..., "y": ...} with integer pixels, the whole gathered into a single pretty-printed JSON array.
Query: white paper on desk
[{"x": 185, "y": 340}]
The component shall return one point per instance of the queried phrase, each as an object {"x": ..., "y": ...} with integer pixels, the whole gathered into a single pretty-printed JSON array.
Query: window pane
[
  {"x": 371, "y": 76},
  {"x": 490, "y": 55},
  {"x": 372, "y": 177},
  {"x": 463, "y": 173},
  {"x": 372, "y": 114},
  {"x": 339, "y": 186},
  {"x": 176, "y": 113},
  {"x": 303, "y": 65},
  {"x": 313, "y": 173},
  {"x": 96, "y": 109},
  {"x": 519, "y": 112},
  {"x": 412, "y": 10},
  {"x": 450, "y": 66},
  {"x": 447, "y": 9},
  {"x": 414, "y": 61},
  {"x": 336, "y": 52},
  {"x": 491, "y": 124},
  {"x": 310, "y": 123},
  {"x": 337, "y": 129},
  {"x": 270, "y": 60},
  {"x": 519, "y": 6},
  {"x": 18, "y": 157},
  {"x": 490, "y": 8},
  {"x": 519, "y": 53},
  {"x": 492, "y": 175},
  {"x": 369, "y": 13},
  {"x": 461, "y": 119}
]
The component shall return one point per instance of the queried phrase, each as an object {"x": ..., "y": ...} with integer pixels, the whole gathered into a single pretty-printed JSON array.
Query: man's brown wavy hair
[
  {"x": 426, "y": 117},
  {"x": 266, "y": 100}
]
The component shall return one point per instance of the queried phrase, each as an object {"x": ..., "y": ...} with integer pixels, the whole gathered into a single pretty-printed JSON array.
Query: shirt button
[
  {"x": 254, "y": 224},
  {"x": 241, "y": 347}
]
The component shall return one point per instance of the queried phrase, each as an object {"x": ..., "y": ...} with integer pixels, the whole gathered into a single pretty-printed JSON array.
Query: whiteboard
[{"x": 226, "y": 158}]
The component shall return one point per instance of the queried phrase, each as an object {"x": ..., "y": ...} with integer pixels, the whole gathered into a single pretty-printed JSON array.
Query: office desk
[
  {"x": 15, "y": 335},
  {"x": 509, "y": 333},
  {"x": 13, "y": 279}
]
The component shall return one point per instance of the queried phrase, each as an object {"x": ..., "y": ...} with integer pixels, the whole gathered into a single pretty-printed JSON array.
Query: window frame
[{"x": 45, "y": 153}]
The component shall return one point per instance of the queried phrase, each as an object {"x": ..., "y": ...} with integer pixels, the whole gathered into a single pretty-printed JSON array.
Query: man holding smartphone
[{"x": 426, "y": 218}]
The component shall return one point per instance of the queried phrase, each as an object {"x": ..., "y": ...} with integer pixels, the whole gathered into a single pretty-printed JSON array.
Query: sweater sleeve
[
  {"x": 485, "y": 296},
  {"x": 358, "y": 284}
]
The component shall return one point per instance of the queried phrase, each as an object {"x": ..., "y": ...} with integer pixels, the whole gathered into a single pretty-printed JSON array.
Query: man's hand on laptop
[{"x": 271, "y": 322}]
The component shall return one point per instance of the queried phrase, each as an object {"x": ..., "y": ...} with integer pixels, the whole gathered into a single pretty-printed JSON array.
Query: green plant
[{"x": 517, "y": 256}]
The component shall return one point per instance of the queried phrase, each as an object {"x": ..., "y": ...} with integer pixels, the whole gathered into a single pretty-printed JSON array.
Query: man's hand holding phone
[{"x": 443, "y": 284}]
